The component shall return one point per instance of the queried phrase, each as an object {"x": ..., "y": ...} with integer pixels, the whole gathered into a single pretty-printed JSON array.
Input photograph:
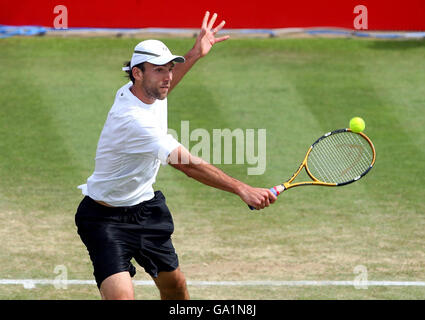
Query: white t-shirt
[{"x": 132, "y": 145}]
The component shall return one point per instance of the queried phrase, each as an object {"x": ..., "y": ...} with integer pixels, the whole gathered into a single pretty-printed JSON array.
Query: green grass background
[{"x": 56, "y": 93}]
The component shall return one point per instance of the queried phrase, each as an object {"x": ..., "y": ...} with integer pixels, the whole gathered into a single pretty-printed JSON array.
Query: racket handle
[{"x": 273, "y": 190}]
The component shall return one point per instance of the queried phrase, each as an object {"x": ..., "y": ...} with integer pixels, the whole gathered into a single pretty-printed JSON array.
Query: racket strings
[
  {"x": 340, "y": 157},
  {"x": 353, "y": 153},
  {"x": 366, "y": 153},
  {"x": 326, "y": 168}
]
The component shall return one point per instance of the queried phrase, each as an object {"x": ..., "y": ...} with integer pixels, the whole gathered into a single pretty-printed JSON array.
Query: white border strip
[
  {"x": 306, "y": 283},
  {"x": 31, "y": 283}
]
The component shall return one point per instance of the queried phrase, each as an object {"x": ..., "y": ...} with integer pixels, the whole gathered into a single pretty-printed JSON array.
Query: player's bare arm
[
  {"x": 203, "y": 44},
  {"x": 210, "y": 175}
]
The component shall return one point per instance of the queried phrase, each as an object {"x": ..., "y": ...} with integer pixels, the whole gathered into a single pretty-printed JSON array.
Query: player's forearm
[
  {"x": 202, "y": 171},
  {"x": 180, "y": 69},
  {"x": 213, "y": 177}
]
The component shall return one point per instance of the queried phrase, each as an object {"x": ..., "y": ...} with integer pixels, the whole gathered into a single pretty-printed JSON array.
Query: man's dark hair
[{"x": 129, "y": 73}]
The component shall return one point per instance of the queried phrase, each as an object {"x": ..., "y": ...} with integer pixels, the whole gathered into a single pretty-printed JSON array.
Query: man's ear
[{"x": 137, "y": 73}]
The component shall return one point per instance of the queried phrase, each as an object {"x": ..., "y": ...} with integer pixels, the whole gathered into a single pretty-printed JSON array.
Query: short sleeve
[
  {"x": 165, "y": 146},
  {"x": 145, "y": 137}
]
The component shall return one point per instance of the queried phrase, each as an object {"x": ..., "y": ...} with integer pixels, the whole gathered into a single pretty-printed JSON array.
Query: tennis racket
[{"x": 336, "y": 159}]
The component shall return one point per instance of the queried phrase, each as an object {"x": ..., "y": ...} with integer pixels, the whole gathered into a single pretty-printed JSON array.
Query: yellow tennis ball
[{"x": 357, "y": 124}]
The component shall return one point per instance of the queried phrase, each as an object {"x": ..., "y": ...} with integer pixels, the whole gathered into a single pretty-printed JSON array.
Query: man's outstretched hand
[
  {"x": 203, "y": 44},
  {"x": 207, "y": 37}
]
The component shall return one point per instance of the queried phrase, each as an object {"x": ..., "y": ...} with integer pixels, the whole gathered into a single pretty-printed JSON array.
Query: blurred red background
[{"x": 382, "y": 15}]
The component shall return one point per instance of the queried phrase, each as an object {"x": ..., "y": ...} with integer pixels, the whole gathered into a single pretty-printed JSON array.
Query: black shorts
[{"x": 113, "y": 236}]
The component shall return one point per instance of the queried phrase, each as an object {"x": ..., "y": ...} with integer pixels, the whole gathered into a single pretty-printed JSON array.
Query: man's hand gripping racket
[{"x": 336, "y": 159}]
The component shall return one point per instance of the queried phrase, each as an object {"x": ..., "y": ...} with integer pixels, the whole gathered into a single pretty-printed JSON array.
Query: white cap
[{"x": 152, "y": 51}]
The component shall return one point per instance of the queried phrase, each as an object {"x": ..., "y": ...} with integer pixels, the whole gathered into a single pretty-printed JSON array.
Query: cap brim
[{"x": 159, "y": 61}]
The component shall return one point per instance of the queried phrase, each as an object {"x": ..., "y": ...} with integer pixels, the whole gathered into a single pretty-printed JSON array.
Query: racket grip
[{"x": 273, "y": 190}]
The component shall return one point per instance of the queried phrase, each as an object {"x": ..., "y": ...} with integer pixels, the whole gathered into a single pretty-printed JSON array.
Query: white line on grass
[{"x": 31, "y": 283}]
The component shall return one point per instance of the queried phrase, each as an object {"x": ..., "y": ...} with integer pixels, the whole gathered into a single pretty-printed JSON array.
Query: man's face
[{"x": 155, "y": 80}]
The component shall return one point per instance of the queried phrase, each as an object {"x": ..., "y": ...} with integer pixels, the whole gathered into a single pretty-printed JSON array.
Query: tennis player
[{"x": 121, "y": 217}]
